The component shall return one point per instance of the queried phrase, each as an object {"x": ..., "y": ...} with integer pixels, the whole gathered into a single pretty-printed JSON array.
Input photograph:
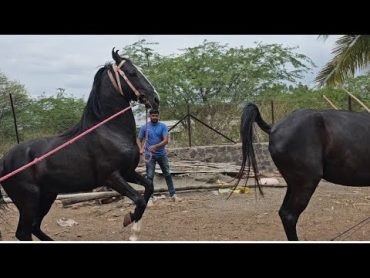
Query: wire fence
[
  {"x": 225, "y": 118},
  {"x": 197, "y": 125}
]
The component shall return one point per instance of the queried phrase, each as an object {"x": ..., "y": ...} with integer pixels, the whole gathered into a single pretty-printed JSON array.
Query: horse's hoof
[
  {"x": 127, "y": 220},
  {"x": 132, "y": 238}
]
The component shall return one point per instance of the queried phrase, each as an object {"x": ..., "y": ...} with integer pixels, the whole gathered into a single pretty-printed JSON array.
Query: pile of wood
[
  {"x": 193, "y": 167},
  {"x": 183, "y": 167}
]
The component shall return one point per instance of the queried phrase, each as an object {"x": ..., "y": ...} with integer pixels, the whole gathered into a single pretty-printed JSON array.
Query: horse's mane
[{"x": 92, "y": 109}]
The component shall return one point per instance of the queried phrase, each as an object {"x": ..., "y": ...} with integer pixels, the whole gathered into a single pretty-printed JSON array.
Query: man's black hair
[{"x": 153, "y": 111}]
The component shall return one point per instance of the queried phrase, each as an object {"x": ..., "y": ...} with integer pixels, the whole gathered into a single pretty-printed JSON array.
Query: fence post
[
  {"x": 272, "y": 112},
  {"x": 356, "y": 99},
  {"x": 349, "y": 103},
  {"x": 15, "y": 119},
  {"x": 189, "y": 126}
]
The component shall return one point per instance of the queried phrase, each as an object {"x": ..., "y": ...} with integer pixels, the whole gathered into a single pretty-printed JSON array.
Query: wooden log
[
  {"x": 83, "y": 197},
  {"x": 69, "y": 199},
  {"x": 330, "y": 102}
]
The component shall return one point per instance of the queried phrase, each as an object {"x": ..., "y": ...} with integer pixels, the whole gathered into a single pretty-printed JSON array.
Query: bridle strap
[
  {"x": 116, "y": 81},
  {"x": 119, "y": 89}
]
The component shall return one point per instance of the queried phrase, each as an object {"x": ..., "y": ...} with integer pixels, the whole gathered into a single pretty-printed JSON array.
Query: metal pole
[
  {"x": 189, "y": 127},
  {"x": 349, "y": 103},
  {"x": 15, "y": 119},
  {"x": 211, "y": 128},
  {"x": 172, "y": 127},
  {"x": 272, "y": 112}
]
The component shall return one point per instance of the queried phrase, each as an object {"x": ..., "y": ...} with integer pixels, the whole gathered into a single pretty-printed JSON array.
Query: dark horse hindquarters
[
  {"x": 107, "y": 156},
  {"x": 329, "y": 144},
  {"x": 309, "y": 145}
]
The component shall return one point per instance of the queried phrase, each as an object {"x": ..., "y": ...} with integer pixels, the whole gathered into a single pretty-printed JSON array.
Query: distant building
[
  {"x": 140, "y": 121},
  {"x": 169, "y": 124}
]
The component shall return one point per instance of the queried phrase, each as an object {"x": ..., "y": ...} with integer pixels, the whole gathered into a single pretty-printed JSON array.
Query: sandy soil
[{"x": 208, "y": 216}]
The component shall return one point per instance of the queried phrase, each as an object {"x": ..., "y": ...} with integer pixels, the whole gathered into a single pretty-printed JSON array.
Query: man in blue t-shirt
[{"x": 154, "y": 136}]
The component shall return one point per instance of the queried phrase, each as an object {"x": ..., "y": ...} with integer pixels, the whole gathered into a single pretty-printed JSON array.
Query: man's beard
[{"x": 154, "y": 121}]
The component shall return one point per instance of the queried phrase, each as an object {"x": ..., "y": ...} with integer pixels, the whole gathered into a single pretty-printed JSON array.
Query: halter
[
  {"x": 146, "y": 139},
  {"x": 116, "y": 80},
  {"x": 117, "y": 85}
]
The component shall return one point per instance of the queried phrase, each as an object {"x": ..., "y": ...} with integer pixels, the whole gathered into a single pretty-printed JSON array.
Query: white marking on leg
[{"x": 136, "y": 229}]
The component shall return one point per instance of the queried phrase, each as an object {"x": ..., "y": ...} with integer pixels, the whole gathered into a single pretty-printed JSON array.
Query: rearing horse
[
  {"x": 107, "y": 156},
  {"x": 307, "y": 146}
]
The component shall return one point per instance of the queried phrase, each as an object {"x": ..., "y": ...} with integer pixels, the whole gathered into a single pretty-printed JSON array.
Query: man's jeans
[{"x": 163, "y": 163}]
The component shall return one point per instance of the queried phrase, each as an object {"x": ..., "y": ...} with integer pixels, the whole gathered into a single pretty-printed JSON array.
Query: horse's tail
[
  {"x": 250, "y": 115},
  {"x": 2, "y": 201},
  {"x": 3, "y": 204}
]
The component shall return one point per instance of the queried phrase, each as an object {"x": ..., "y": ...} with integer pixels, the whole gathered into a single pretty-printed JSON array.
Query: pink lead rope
[
  {"x": 38, "y": 159},
  {"x": 146, "y": 138}
]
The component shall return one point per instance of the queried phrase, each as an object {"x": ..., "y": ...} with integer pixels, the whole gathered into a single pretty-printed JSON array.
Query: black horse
[
  {"x": 307, "y": 146},
  {"x": 107, "y": 156}
]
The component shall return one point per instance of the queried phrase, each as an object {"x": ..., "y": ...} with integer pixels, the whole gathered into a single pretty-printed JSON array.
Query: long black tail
[
  {"x": 2, "y": 201},
  {"x": 250, "y": 115},
  {"x": 3, "y": 204}
]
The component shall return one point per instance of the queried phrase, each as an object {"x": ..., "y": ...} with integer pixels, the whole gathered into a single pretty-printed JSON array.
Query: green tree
[
  {"x": 211, "y": 72},
  {"x": 351, "y": 53},
  {"x": 214, "y": 72},
  {"x": 211, "y": 75},
  {"x": 141, "y": 53},
  {"x": 52, "y": 115},
  {"x": 21, "y": 102},
  {"x": 359, "y": 85}
]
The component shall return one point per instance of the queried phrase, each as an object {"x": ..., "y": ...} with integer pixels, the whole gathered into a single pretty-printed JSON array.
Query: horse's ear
[{"x": 116, "y": 56}]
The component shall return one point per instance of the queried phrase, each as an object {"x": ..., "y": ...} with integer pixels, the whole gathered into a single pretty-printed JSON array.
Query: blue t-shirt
[{"x": 156, "y": 134}]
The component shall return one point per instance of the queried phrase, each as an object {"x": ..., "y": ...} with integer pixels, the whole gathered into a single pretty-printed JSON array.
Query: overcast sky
[{"x": 44, "y": 63}]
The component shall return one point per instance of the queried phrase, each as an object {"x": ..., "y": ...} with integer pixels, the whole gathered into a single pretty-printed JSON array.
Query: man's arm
[
  {"x": 140, "y": 144},
  {"x": 140, "y": 140},
  {"x": 161, "y": 144}
]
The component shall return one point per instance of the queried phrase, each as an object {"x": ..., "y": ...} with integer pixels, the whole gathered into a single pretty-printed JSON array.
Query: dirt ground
[{"x": 207, "y": 216}]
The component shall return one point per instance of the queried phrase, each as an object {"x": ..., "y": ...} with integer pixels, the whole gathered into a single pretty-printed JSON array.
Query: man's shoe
[
  {"x": 150, "y": 203},
  {"x": 175, "y": 198}
]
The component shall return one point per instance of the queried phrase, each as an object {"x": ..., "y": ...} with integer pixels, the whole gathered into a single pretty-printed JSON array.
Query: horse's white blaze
[{"x": 147, "y": 80}]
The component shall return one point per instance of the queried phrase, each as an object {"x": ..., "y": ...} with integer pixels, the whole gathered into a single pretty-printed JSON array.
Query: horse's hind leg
[
  {"x": 46, "y": 201},
  {"x": 139, "y": 179},
  {"x": 27, "y": 205},
  {"x": 297, "y": 197}
]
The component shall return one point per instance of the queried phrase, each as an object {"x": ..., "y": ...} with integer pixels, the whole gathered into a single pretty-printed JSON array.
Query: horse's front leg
[
  {"x": 135, "y": 177},
  {"x": 118, "y": 183}
]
